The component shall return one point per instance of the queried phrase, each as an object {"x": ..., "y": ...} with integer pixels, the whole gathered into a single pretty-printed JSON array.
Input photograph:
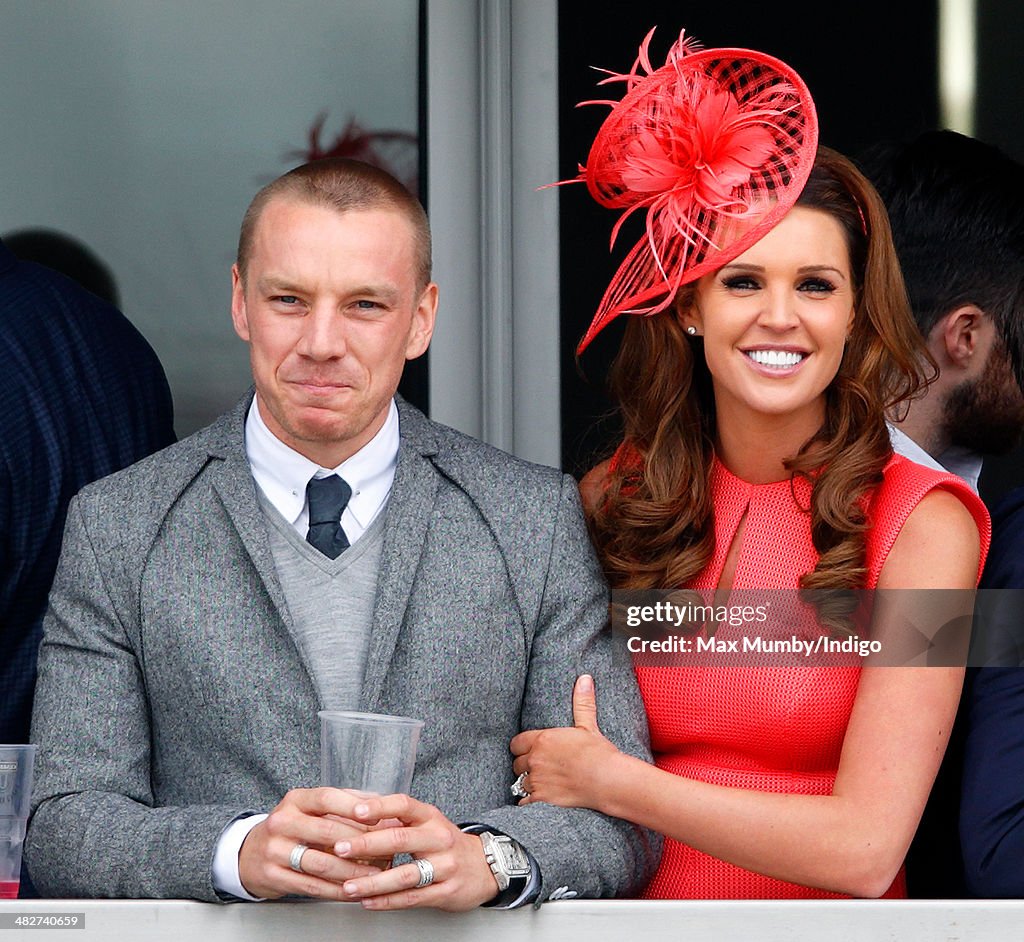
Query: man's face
[
  {"x": 986, "y": 414},
  {"x": 331, "y": 310}
]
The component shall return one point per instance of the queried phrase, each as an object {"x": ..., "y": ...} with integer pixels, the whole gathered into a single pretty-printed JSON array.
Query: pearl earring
[{"x": 691, "y": 330}]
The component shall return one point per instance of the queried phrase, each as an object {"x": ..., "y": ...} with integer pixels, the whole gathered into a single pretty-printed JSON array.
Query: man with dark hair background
[
  {"x": 957, "y": 211},
  {"x": 82, "y": 394}
]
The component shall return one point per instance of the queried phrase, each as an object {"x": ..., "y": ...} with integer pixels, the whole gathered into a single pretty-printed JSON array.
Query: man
[
  {"x": 957, "y": 211},
  {"x": 207, "y": 606},
  {"x": 82, "y": 395}
]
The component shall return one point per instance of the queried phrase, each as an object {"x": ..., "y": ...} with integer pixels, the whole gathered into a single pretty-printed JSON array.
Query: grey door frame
[{"x": 492, "y": 116}]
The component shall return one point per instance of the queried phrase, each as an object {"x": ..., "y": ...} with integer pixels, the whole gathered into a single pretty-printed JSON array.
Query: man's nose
[{"x": 323, "y": 336}]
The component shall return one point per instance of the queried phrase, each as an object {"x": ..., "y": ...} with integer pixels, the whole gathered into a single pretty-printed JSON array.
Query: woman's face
[{"x": 775, "y": 321}]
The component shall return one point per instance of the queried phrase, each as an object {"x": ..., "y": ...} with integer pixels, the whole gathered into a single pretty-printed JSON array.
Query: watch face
[{"x": 513, "y": 856}]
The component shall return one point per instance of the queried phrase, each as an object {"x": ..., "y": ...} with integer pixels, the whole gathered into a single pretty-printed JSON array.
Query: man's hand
[
  {"x": 315, "y": 817},
  {"x": 462, "y": 878}
]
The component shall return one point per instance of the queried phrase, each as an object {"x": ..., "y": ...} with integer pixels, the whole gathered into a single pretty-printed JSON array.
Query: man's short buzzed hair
[{"x": 343, "y": 185}]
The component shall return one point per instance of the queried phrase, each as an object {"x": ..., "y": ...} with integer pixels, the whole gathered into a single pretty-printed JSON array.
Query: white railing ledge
[{"x": 564, "y": 921}]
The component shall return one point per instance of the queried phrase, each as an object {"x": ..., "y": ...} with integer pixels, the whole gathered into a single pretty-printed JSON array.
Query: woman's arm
[{"x": 852, "y": 841}]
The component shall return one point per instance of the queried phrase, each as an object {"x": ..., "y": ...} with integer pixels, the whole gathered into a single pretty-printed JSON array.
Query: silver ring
[
  {"x": 517, "y": 789},
  {"x": 295, "y": 857},
  {"x": 426, "y": 869}
]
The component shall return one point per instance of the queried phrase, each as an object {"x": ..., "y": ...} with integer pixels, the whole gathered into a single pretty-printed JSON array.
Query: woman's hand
[{"x": 571, "y": 766}]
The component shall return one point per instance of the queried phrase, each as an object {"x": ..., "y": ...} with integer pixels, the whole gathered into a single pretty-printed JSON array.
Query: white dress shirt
[{"x": 282, "y": 475}]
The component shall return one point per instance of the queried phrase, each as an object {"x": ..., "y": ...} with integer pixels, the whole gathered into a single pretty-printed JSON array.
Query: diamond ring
[{"x": 517, "y": 789}]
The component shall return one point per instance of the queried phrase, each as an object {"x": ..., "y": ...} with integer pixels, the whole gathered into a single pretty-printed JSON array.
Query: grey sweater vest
[{"x": 331, "y": 604}]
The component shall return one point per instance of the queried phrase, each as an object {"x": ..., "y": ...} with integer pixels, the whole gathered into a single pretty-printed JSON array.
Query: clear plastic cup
[
  {"x": 371, "y": 752},
  {"x": 15, "y": 791}
]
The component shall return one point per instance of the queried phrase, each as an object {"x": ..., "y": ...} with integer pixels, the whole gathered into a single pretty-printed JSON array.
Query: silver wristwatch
[{"x": 505, "y": 857}]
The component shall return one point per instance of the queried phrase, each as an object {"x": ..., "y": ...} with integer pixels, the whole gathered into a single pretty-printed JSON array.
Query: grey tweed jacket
[{"x": 172, "y": 695}]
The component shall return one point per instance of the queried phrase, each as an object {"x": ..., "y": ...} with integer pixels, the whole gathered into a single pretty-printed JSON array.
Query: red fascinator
[{"x": 716, "y": 145}]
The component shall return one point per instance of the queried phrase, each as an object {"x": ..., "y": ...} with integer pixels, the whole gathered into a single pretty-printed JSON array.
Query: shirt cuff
[
  {"x": 226, "y": 880},
  {"x": 533, "y": 883}
]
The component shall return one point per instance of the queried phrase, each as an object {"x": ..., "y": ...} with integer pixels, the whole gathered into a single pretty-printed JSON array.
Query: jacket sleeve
[
  {"x": 580, "y": 851},
  {"x": 93, "y": 772}
]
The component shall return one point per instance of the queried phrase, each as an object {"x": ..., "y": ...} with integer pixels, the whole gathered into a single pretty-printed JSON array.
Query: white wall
[{"x": 143, "y": 128}]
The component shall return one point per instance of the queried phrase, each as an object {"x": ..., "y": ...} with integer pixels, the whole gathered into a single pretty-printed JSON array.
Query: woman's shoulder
[
  {"x": 923, "y": 505},
  {"x": 594, "y": 484},
  {"x": 905, "y": 471},
  {"x": 905, "y": 484},
  {"x": 938, "y": 547}
]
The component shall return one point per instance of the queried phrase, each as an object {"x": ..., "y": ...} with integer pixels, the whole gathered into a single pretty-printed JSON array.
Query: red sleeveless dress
[{"x": 771, "y": 728}]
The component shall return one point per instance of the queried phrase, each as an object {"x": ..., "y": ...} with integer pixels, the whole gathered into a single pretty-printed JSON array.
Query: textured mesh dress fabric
[{"x": 772, "y": 728}]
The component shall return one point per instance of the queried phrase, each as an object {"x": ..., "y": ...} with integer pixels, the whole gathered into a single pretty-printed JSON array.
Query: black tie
[{"x": 327, "y": 498}]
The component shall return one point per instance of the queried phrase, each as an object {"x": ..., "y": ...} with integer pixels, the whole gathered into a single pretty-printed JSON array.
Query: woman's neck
[{"x": 756, "y": 451}]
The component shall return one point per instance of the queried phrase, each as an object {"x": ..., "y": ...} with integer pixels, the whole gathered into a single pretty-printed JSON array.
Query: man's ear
[
  {"x": 960, "y": 334},
  {"x": 422, "y": 327},
  {"x": 239, "y": 316}
]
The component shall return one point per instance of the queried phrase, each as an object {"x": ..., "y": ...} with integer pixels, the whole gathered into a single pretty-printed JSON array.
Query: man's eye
[
  {"x": 364, "y": 305},
  {"x": 287, "y": 299}
]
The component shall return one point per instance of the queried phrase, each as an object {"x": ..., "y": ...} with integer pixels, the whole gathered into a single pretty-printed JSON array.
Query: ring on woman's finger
[
  {"x": 426, "y": 869},
  {"x": 295, "y": 857},
  {"x": 517, "y": 788}
]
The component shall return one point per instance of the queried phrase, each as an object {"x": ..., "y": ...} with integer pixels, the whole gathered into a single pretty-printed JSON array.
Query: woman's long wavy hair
[{"x": 653, "y": 525}]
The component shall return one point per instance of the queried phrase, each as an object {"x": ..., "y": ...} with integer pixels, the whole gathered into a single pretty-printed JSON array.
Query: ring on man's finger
[
  {"x": 295, "y": 857},
  {"x": 517, "y": 788},
  {"x": 426, "y": 869}
]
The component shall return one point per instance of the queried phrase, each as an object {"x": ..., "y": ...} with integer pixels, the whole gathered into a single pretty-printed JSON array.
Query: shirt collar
[
  {"x": 282, "y": 473},
  {"x": 964, "y": 463}
]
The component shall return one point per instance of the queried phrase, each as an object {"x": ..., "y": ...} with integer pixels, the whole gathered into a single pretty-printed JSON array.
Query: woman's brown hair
[{"x": 652, "y": 524}]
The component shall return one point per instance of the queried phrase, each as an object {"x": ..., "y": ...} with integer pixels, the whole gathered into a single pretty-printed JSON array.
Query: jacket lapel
[
  {"x": 233, "y": 482},
  {"x": 409, "y": 510}
]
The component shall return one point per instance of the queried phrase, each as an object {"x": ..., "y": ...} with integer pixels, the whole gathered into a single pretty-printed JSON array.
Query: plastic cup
[
  {"x": 15, "y": 791},
  {"x": 371, "y": 752}
]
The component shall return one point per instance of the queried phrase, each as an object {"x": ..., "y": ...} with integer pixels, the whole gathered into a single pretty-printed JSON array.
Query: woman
[{"x": 756, "y": 456}]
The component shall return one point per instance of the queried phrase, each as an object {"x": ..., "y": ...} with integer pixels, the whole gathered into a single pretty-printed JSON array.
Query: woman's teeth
[{"x": 775, "y": 358}]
